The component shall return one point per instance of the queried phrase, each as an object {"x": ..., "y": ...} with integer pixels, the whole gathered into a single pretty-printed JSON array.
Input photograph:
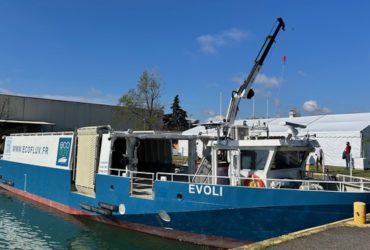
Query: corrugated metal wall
[{"x": 65, "y": 114}]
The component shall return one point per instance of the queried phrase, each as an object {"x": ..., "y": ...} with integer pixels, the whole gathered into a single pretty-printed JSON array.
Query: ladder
[{"x": 142, "y": 185}]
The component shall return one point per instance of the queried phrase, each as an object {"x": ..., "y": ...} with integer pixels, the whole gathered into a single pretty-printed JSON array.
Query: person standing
[
  {"x": 347, "y": 152},
  {"x": 319, "y": 155}
]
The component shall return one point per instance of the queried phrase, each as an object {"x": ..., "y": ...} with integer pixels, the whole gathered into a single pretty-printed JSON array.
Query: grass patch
[
  {"x": 342, "y": 170},
  {"x": 179, "y": 158}
]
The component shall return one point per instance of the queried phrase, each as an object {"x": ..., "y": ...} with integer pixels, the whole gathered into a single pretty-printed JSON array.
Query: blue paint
[{"x": 240, "y": 212}]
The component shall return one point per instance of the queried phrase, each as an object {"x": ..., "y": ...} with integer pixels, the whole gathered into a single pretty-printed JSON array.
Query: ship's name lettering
[
  {"x": 31, "y": 149},
  {"x": 205, "y": 189}
]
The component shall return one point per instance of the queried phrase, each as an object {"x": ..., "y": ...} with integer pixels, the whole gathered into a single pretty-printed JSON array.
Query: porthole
[{"x": 179, "y": 196}]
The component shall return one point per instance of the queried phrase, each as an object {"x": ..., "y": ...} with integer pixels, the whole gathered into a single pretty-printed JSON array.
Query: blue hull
[
  {"x": 243, "y": 213},
  {"x": 251, "y": 224}
]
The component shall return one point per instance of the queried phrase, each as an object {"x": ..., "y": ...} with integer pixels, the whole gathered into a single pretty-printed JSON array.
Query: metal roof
[{"x": 27, "y": 122}]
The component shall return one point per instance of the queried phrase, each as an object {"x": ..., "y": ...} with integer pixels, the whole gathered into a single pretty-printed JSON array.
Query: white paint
[
  {"x": 104, "y": 154},
  {"x": 122, "y": 209},
  {"x": 39, "y": 149},
  {"x": 205, "y": 189}
]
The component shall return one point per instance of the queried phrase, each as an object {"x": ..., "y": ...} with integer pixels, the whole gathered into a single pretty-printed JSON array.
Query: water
[{"x": 26, "y": 225}]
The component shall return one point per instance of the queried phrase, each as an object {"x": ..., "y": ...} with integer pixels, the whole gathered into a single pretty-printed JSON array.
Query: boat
[
  {"x": 242, "y": 190},
  {"x": 246, "y": 186}
]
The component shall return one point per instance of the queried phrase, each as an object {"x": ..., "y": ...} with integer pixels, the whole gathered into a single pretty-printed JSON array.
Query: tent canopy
[{"x": 332, "y": 132}]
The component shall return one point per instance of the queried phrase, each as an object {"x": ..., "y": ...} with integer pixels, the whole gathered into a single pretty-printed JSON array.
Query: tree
[
  {"x": 143, "y": 103},
  {"x": 176, "y": 121}
]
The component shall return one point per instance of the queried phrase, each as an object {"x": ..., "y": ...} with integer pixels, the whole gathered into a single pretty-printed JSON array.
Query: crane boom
[{"x": 245, "y": 89}]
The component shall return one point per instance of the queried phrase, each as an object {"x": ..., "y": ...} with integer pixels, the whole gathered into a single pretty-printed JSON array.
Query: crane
[{"x": 245, "y": 89}]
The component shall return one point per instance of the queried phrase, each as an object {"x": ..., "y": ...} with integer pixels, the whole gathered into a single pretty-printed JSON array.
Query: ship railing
[
  {"x": 204, "y": 166},
  {"x": 355, "y": 181},
  {"x": 162, "y": 176},
  {"x": 358, "y": 185},
  {"x": 118, "y": 171},
  {"x": 141, "y": 184}
]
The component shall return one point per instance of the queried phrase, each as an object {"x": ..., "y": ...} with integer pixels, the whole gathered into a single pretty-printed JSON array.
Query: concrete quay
[{"x": 342, "y": 234}]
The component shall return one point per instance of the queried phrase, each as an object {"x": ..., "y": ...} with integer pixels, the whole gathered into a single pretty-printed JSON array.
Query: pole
[
  {"x": 350, "y": 165},
  {"x": 323, "y": 165},
  {"x": 253, "y": 108}
]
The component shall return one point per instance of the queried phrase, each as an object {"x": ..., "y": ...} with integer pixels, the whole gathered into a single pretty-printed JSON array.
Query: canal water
[{"x": 26, "y": 225}]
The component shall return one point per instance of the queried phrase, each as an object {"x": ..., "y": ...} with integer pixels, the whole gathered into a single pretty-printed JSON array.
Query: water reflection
[{"x": 26, "y": 225}]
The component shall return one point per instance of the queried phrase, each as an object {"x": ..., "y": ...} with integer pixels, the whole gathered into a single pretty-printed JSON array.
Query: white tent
[
  {"x": 183, "y": 145},
  {"x": 331, "y": 131}
]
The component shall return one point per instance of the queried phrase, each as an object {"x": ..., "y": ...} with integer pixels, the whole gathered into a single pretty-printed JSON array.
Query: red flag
[{"x": 284, "y": 59}]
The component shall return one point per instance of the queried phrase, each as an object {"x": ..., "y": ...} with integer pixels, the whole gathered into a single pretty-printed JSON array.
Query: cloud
[
  {"x": 4, "y": 81},
  {"x": 263, "y": 83},
  {"x": 210, "y": 113},
  {"x": 262, "y": 92},
  {"x": 313, "y": 107},
  {"x": 310, "y": 106},
  {"x": 93, "y": 96},
  {"x": 216, "y": 118},
  {"x": 268, "y": 81},
  {"x": 6, "y": 92},
  {"x": 239, "y": 79},
  {"x": 210, "y": 44},
  {"x": 302, "y": 73},
  {"x": 261, "y": 79},
  {"x": 213, "y": 116},
  {"x": 65, "y": 98}
]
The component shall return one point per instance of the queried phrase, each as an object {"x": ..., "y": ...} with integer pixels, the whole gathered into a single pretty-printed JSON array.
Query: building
[{"x": 38, "y": 114}]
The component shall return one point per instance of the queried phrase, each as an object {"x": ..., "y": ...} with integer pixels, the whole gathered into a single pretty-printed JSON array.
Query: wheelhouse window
[
  {"x": 288, "y": 159},
  {"x": 253, "y": 159}
]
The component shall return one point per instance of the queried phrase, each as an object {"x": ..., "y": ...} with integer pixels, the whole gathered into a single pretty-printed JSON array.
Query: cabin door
[{"x": 234, "y": 167}]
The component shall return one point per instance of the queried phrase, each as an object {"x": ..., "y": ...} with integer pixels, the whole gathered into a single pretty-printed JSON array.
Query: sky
[{"x": 95, "y": 51}]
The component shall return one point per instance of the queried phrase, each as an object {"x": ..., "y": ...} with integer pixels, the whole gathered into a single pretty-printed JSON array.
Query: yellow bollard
[{"x": 359, "y": 213}]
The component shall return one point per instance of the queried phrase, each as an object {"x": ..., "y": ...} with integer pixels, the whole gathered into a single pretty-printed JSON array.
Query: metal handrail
[
  {"x": 359, "y": 182},
  {"x": 202, "y": 165},
  {"x": 342, "y": 184},
  {"x": 352, "y": 177},
  {"x": 356, "y": 181},
  {"x": 119, "y": 170}
]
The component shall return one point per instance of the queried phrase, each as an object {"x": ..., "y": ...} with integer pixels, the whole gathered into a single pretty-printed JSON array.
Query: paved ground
[
  {"x": 338, "y": 235},
  {"x": 345, "y": 237}
]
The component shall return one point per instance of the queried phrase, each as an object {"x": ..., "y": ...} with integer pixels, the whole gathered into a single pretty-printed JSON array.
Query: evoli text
[{"x": 205, "y": 189}]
